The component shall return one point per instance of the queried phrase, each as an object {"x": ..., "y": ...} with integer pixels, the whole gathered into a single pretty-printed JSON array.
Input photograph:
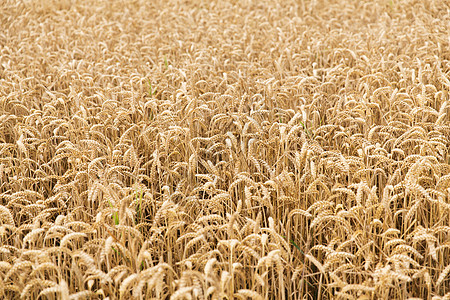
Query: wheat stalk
[{"x": 224, "y": 149}]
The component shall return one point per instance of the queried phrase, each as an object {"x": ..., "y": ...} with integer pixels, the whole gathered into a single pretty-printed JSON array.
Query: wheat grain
[
  {"x": 221, "y": 134},
  {"x": 442, "y": 275},
  {"x": 250, "y": 294}
]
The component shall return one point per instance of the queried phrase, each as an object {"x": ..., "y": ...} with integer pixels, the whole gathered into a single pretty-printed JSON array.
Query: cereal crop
[{"x": 206, "y": 149}]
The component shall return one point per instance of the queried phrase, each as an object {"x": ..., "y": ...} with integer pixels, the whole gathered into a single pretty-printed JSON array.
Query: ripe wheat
[{"x": 224, "y": 149}]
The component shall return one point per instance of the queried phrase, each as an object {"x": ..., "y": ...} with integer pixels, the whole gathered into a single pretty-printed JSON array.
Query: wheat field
[{"x": 254, "y": 149}]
